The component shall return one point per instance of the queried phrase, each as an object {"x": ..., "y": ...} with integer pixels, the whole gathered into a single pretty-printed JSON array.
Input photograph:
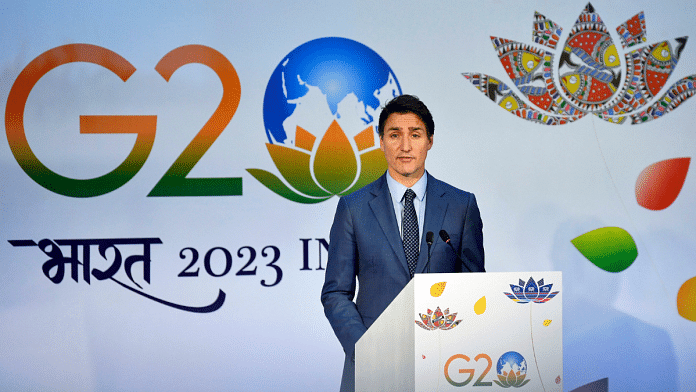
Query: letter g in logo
[{"x": 143, "y": 126}]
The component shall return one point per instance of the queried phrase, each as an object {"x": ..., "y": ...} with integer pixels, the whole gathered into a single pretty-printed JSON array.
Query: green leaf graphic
[{"x": 609, "y": 248}]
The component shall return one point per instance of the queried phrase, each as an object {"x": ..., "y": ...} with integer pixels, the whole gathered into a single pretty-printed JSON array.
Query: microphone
[
  {"x": 429, "y": 240},
  {"x": 445, "y": 237}
]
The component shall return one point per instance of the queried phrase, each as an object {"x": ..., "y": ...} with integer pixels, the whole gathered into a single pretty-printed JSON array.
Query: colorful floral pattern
[{"x": 589, "y": 73}]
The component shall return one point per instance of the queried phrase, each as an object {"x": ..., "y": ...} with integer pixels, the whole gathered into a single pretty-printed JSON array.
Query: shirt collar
[{"x": 397, "y": 189}]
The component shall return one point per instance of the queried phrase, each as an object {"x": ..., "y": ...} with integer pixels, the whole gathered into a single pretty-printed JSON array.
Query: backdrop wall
[{"x": 214, "y": 284}]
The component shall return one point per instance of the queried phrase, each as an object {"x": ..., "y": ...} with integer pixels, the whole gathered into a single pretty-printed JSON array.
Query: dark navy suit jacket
[{"x": 365, "y": 244}]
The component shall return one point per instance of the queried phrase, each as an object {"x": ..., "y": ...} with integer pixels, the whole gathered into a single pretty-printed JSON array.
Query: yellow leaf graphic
[
  {"x": 480, "y": 306},
  {"x": 437, "y": 289}
]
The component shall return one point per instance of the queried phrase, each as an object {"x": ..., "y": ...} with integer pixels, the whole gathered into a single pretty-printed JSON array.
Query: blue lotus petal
[
  {"x": 531, "y": 290},
  {"x": 518, "y": 291},
  {"x": 545, "y": 290}
]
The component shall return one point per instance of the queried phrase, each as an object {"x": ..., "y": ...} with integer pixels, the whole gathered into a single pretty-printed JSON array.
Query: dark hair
[{"x": 407, "y": 104}]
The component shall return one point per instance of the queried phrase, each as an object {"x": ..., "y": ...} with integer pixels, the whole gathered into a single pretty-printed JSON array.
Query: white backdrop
[{"x": 538, "y": 187}]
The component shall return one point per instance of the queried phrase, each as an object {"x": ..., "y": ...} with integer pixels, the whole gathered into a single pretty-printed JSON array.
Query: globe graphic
[
  {"x": 323, "y": 80},
  {"x": 511, "y": 360}
]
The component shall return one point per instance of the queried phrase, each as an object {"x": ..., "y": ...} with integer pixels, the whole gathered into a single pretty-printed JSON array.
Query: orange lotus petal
[
  {"x": 293, "y": 165},
  {"x": 304, "y": 139},
  {"x": 335, "y": 166},
  {"x": 511, "y": 377},
  {"x": 659, "y": 184},
  {"x": 365, "y": 139}
]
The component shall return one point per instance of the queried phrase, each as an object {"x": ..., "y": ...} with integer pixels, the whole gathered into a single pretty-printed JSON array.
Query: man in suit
[{"x": 378, "y": 232}]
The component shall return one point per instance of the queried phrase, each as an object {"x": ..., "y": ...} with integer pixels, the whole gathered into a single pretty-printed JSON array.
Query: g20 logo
[
  {"x": 511, "y": 369},
  {"x": 353, "y": 90},
  {"x": 174, "y": 181}
]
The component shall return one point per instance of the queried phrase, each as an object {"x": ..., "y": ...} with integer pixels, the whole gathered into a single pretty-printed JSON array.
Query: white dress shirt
[{"x": 397, "y": 190}]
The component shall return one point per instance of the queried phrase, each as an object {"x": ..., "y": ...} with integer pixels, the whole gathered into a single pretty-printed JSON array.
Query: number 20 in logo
[{"x": 174, "y": 181}]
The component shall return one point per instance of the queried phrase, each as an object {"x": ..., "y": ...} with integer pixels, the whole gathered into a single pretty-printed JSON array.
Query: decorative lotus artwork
[
  {"x": 590, "y": 78},
  {"x": 532, "y": 291},
  {"x": 438, "y": 320},
  {"x": 586, "y": 76}
]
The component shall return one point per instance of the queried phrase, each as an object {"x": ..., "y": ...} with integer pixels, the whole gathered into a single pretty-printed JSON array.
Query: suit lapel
[
  {"x": 383, "y": 209},
  {"x": 435, "y": 210}
]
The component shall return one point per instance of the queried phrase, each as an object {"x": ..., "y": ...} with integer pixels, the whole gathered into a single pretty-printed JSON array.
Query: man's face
[{"x": 405, "y": 144}]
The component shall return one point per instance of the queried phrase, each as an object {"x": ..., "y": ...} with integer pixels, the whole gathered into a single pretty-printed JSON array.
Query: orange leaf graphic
[{"x": 659, "y": 184}]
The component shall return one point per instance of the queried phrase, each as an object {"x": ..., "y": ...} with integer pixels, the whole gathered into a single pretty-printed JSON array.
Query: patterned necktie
[{"x": 410, "y": 230}]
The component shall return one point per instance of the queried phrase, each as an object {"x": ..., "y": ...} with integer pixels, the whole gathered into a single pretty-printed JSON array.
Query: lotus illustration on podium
[
  {"x": 532, "y": 291},
  {"x": 589, "y": 72},
  {"x": 438, "y": 320}
]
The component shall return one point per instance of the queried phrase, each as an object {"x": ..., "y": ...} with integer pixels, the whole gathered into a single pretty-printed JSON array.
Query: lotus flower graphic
[
  {"x": 335, "y": 165},
  {"x": 532, "y": 291},
  {"x": 437, "y": 320},
  {"x": 589, "y": 72},
  {"x": 511, "y": 379}
]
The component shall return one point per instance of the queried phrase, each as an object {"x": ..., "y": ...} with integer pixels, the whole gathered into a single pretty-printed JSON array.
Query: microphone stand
[
  {"x": 445, "y": 237},
  {"x": 428, "y": 240}
]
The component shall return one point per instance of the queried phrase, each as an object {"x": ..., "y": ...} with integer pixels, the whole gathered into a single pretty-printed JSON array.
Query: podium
[{"x": 458, "y": 331}]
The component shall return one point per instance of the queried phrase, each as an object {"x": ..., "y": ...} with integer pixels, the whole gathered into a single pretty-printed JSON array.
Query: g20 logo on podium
[{"x": 511, "y": 370}]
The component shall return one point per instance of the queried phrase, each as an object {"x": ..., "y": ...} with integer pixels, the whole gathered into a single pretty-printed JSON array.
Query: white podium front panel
[
  {"x": 455, "y": 332},
  {"x": 384, "y": 354},
  {"x": 488, "y": 331}
]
